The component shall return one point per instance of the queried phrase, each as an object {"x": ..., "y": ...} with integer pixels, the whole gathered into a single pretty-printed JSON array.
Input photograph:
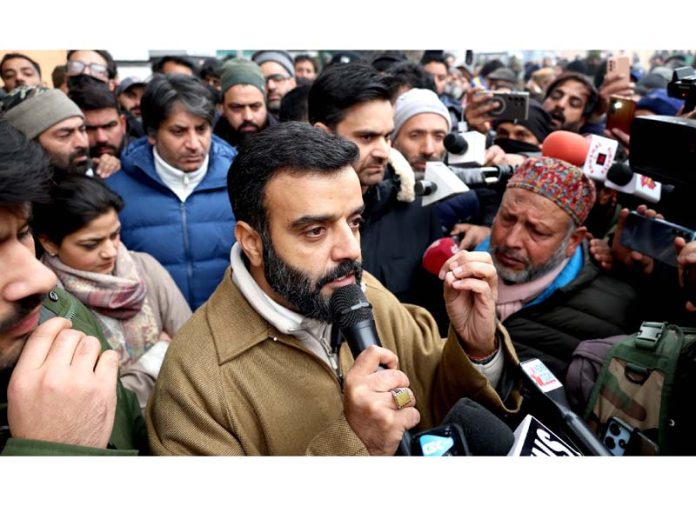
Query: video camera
[
  {"x": 664, "y": 148},
  {"x": 683, "y": 86}
]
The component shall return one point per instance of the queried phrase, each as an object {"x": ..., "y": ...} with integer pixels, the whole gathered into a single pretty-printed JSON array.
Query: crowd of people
[{"x": 169, "y": 248}]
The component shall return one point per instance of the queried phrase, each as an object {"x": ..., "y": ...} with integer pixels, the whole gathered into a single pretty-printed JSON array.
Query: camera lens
[
  {"x": 609, "y": 443},
  {"x": 614, "y": 429},
  {"x": 499, "y": 106}
]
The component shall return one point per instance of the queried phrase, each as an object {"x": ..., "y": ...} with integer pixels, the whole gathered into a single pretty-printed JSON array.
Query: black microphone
[
  {"x": 485, "y": 433},
  {"x": 468, "y": 429},
  {"x": 484, "y": 176},
  {"x": 620, "y": 173},
  {"x": 352, "y": 314},
  {"x": 423, "y": 188},
  {"x": 551, "y": 389},
  {"x": 455, "y": 143}
]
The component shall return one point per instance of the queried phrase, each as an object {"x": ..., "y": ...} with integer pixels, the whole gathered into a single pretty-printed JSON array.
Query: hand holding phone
[
  {"x": 617, "y": 81},
  {"x": 509, "y": 105},
  {"x": 620, "y": 114},
  {"x": 653, "y": 237},
  {"x": 619, "y": 70}
]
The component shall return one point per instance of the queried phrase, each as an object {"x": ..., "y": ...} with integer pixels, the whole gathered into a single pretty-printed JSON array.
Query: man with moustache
[
  {"x": 17, "y": 69},
  {"x": 572, "y": 101},
  {"x": 254, "y": 373},
  {"x": 55, "y": 122},
  {"x": 551, "y": 295},
  {"x": 244, "y": 109},
  {"x": 421, "y": 122},
  {"x": 129, "y": 92},
  {"x": 105, "y": 125},
  {"x": 353, "y": 101},
  {"x": 174, "y": 187},
  {"x": 59, "y": 387},
  {"x": 278, "y": 70}
]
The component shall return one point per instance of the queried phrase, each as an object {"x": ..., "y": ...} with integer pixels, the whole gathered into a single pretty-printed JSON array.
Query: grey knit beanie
[
  {"x": 240, "y": 71},
  {"x": 417, "y": 101},
  {"x": 34, "y": 109},
  {"x": 280, "y": 57}
]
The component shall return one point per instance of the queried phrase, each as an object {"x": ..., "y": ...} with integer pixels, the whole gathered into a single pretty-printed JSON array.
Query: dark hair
[
  {"x": 410, "y": 74},
  {"x": 297, "y": 148},
  {"x": 110, "y": 63},
  {"x": 158, "y": 64},
  {"x": 211, "y": 67},
  {"x": 165, "y": 91},
  {"x": 340, "y": 87},
  {"x": 433, "y": 55},
  {"x": 293, "y": 106},
  {"x": 25, "y": 173},
  {"x": 592, "y": 100},
  {"x": 76, "y": 200},
  {"x": 13, "y": 56},
  {"x": 306, "y": 57},
  {"x": 58, "y": 75},
  {"x": 490, "y": 66},
  {"x": 383, "y": 60},
  {"x": 92, "y": 96}
]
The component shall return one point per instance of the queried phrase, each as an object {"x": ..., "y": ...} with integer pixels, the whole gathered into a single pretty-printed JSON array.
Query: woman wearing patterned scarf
[{"x": 134, "y": 298}]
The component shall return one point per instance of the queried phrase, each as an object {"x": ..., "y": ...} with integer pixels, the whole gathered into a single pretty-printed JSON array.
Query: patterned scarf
[{"x": 118, "y": 301}]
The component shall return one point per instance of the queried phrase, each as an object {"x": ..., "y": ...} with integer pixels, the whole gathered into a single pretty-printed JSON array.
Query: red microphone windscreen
[
  {"x": 438, "y": 253},
  {"x": 567, "y": 146}
]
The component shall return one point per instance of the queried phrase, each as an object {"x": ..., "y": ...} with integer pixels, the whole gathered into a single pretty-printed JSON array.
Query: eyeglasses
[
  {"x": 277, "y": 78},
  {"x": 75, "y": 67}
]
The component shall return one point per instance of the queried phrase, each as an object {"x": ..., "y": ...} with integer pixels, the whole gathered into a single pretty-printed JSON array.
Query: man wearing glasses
[
  {"x": 279, "y": 71},
  {"x": 97, "y": 63}
]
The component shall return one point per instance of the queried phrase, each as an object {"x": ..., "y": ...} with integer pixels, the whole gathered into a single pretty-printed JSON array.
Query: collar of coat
[{"x": 228, "y": 313}]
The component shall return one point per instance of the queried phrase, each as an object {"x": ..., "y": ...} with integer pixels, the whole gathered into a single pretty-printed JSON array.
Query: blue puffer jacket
[{"x": 191, "y": 239}]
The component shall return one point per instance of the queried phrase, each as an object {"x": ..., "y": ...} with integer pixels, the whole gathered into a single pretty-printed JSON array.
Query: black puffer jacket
[
  {"x": 393, "y": 237},
  {"x": 592, "y": 306}
]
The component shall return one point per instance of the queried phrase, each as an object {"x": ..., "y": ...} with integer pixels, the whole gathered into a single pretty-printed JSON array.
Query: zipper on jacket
[
  {"x": 71, "y": 311},
  {"x": 189, "y": 267},
  {"x": 333, "y": 360},
  {"x": 336, "y": 341}
]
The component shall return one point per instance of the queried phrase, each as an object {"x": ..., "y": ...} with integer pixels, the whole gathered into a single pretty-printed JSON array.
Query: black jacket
[
  {"x": 592, "y": 306},
  {"x": 393, "y": 238}
]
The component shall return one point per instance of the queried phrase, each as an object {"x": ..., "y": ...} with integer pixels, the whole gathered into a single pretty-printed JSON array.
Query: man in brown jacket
[{"x": 253, "y": 372}]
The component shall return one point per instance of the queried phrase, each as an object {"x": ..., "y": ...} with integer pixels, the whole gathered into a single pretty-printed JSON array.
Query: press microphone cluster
[
  {"x": 468, "y": 429},
  {"x": 441, "y": 181},
  {"x": 544, "y": 384},
  {"x": 595, "y": 155},
  {"x": 465, "y": 148}
]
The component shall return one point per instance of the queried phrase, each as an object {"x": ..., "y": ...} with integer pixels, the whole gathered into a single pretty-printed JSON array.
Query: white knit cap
[{"x": 417, "y": 101}]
